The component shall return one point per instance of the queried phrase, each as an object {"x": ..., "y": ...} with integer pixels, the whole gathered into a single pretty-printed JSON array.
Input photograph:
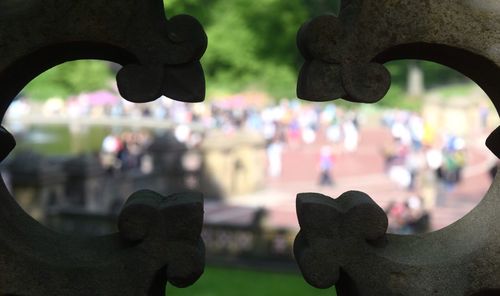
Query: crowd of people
[
  {"x": 287, "y": 124},
  {"x": 425, "y": 162},
  {"x": 408, "y": 216},
  {"x": 418, "y": 146},
  {"x": 296, "y": 125},
  {"x": 126, "y": 151}
]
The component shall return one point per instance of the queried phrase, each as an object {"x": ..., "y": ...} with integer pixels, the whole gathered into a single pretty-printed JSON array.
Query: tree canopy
[{"x": 70, "y": 79}]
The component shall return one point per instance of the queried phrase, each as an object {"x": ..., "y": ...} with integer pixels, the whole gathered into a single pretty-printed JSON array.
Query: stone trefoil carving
[
  {"x": 344, "y": 54},
  {"x": 343, "y": 241},
  {"x": 159, "y": 240},
  {"x": 159, "y": 237},
  {"x": 160, "y": 56}
]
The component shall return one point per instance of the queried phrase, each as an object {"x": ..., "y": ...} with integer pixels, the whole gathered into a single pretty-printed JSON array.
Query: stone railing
[
  {"x": 342, "y": 241},
  {"x": 45, "y": 185},
  {"x": 245, "y": 239}
]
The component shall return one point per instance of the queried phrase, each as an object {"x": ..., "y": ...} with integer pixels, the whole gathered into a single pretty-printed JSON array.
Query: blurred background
[{"x": 250, "y": 147}]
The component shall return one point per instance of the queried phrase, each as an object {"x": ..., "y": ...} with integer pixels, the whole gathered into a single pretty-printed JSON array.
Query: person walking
[{"x": 326, "y": 166}]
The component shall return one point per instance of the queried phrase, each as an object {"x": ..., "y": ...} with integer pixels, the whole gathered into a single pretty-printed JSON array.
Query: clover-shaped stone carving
[
  {"x": 343, "y": 242},
  {"x": 332, "y": 231},
  {"x": 329, "y": 72},
  {"x": 158, "y": 241},
  {"x": 179, "y": 76},
  {"x": 345, "y": 54},
  {"x": 160, "y": 56},
  {"x": 169, "y": 229}
]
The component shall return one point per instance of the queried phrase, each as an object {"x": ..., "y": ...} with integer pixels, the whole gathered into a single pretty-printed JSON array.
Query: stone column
[
  {"x": 168, "y": 171},
  {"x": 85, "y": 185},
  {"x": 238, "y": 161}
]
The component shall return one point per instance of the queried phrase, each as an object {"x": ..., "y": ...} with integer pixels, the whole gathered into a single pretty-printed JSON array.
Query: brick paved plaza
[{"x": 364, "y": 170}]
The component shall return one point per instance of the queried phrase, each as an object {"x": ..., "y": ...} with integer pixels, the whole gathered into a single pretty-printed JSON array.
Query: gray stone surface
[
  {"x": 160, "y": 56},
  {"x": 344, "y": 54},
  {"x": 343, "y": 241},
  {"x": 159, "y": 238}
]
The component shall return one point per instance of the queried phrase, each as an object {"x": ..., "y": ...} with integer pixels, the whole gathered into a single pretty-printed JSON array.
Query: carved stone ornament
[
  {"x": 344, "y": 54},
  {"x": 159, "y": 237},
  {"x": 343, "y": 241},
  {"x": 159, "y": 56},
  {"x": 158, "y": 240}
]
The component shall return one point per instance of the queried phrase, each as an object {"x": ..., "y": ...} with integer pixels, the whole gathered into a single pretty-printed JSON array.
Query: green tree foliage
[
  {"x": 434, "y": 74},
  {"x": 251, "y": 44},
  {"x": 70, "y": 79},
  {"x": 319, "y": 7},
  {"x": 437, "y": 75}
]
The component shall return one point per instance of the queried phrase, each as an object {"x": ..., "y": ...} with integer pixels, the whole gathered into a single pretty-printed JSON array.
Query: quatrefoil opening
[{"x": 334, "y": 230}]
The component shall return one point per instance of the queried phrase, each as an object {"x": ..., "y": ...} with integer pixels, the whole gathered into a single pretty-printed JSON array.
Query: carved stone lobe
[
  {"x": 343, "y": 242},
  {"x": 160, "y": 56},
  {"x": 159, "y": 241}
]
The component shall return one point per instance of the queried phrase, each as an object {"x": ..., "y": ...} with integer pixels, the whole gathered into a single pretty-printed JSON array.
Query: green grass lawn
[{"x": 230, "y": 282}]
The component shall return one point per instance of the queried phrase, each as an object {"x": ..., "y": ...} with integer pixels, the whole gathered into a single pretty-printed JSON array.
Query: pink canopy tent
[{"x": 100, "y": 98}]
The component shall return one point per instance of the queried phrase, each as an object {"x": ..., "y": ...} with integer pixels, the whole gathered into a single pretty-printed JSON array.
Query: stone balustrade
[{"x": 342, "y": 241}]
